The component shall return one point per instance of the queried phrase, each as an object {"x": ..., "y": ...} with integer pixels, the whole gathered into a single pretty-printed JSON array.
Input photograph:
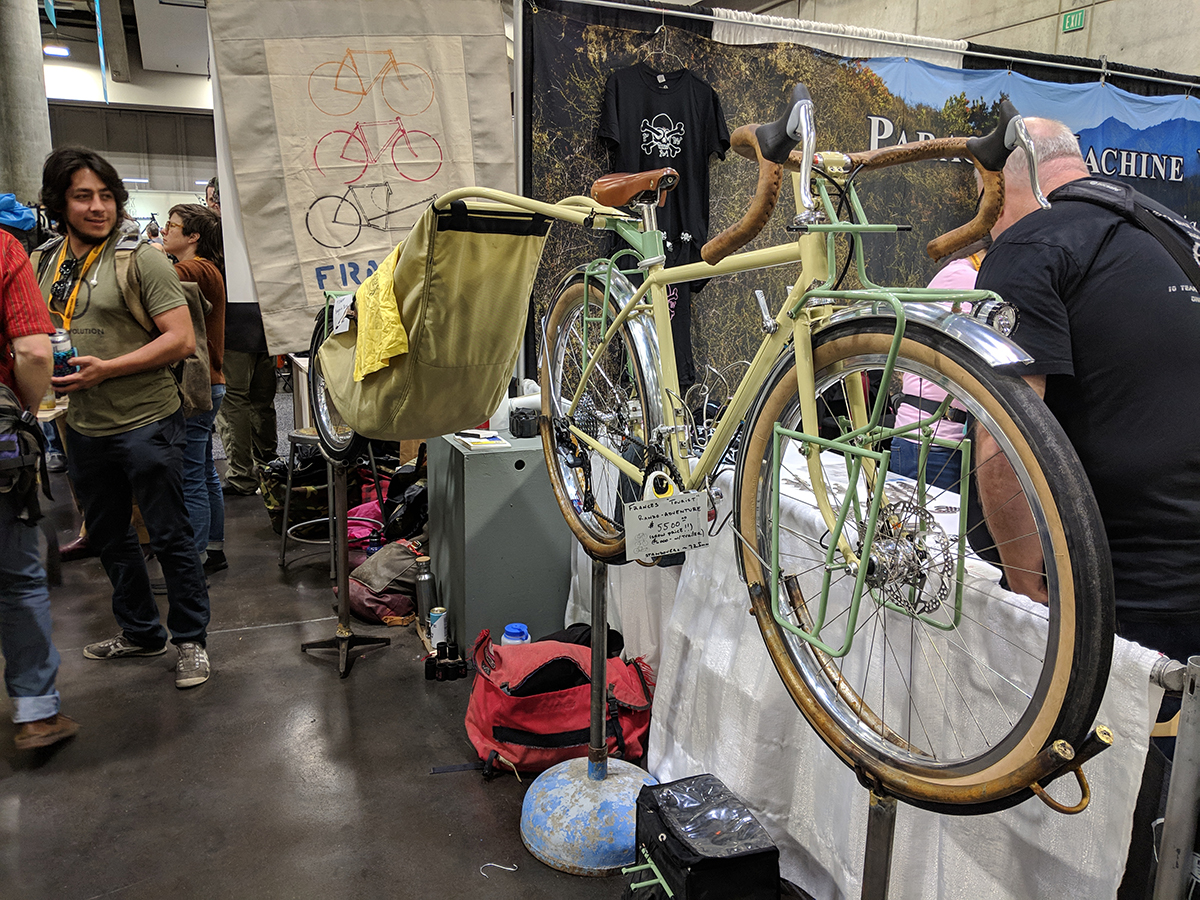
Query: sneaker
[
  {"x": 44, "y": 732},
  {"x": 56, "y": 463},
  {"x": 215, "y": 561},
  {"x": 120, "y": 647},
  {"x": 192, "y": 667}
]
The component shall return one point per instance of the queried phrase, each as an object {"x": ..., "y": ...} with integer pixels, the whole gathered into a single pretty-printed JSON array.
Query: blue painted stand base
[{"x": 581, "y": 826}]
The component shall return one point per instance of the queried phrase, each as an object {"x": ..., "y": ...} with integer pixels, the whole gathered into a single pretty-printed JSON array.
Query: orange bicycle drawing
[
  {"x": 337, "y": 88},
  {"x": 415, "y": 155},
  {"x": 335, "y": 221}
]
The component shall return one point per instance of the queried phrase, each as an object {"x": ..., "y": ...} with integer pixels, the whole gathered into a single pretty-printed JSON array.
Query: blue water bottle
[{"x": 374, "y": 542}]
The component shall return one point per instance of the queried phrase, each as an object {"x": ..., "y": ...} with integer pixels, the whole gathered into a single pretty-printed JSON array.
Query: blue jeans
[
  {"x": 942, "y": 465},
  {"x": 30, "y": 660},
  {"x": 201, "y": 486},
  {"x": 146, "y": 463}
]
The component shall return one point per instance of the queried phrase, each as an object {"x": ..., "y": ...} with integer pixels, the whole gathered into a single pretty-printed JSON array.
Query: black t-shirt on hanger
[{"x": 654, "y": 119}]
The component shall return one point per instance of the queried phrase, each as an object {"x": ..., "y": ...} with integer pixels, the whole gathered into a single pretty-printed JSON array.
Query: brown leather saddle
[{"x": 623, "y": 188}]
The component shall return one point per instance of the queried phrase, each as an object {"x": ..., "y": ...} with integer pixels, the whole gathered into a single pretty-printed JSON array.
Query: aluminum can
[
  {"x": 437, "y": 625},
  {"x": 60, "y": 343}
]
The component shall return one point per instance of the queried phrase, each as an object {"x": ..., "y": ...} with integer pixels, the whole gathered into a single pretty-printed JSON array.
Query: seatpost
[{"x": 649, "y": 216}]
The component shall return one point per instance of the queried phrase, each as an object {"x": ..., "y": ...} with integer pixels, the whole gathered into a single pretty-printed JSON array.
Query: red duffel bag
[{"x": 530, "y": 704}]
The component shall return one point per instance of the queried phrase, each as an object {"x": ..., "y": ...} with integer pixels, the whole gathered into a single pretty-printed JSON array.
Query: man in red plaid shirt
[{"x": 31, "y": 662}]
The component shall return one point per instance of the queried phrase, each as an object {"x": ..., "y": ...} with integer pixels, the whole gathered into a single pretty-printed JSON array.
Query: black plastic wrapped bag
[{"x": 705, "y": 842}]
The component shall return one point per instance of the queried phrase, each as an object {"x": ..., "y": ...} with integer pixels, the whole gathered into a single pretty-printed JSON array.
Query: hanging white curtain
[{"x": 736, "y": 27}]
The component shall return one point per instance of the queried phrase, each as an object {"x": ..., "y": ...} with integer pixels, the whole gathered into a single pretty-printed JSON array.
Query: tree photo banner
[{"x": 859, "y": 104}]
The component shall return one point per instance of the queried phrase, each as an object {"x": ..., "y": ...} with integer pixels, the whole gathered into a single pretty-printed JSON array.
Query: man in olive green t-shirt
[{"x": 125, "y": 425}]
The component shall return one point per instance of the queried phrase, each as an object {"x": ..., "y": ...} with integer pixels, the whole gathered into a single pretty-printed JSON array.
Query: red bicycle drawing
[
  {"x": 337, "y": 88},
  {"x": 415, "y": 155}
]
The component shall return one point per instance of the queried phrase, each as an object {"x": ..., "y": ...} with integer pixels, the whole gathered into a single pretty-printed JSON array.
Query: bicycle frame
[{"x": 350, "y": 61}]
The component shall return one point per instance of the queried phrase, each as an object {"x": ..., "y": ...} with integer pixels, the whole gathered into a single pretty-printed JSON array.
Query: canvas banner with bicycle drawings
[{"x": 344, "y": 124}]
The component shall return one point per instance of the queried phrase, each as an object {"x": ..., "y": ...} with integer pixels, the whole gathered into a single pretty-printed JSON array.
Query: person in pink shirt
[{"x": 921, "y": 398}]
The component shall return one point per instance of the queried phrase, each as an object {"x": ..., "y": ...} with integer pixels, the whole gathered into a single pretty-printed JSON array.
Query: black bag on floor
[
  {"x": 705, "y": 842},
  {"x": 310, "y": 499}
]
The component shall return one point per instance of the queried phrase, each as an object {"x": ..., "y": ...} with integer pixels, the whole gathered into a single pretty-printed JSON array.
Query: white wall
[
  {"x": 1158, "y": 35},
  {"x": 78, "y": 79}
]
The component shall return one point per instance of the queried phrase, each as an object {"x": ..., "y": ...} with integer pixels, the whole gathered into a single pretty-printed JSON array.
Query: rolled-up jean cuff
[{"x": 33, "y": 709}]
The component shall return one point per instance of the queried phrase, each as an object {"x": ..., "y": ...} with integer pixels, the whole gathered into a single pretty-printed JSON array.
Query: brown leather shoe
[
  {"x": 77, "y": 549},
  {"x": 44, "y": 732}
]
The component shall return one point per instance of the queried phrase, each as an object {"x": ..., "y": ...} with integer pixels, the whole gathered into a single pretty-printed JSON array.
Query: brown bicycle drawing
[
  {"x": 337, "y": 87},
  {"x": 415, "y": 155}
]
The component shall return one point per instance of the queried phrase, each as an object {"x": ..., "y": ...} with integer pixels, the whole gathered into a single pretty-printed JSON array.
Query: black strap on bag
[{"x": 1177, "y": 236}]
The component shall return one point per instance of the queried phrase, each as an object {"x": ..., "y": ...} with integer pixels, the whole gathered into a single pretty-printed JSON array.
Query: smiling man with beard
[{"x": 125, "y": 426}]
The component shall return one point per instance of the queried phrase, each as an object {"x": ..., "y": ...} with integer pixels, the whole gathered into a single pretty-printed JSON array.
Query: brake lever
[{"x": 1018, "y": 136}]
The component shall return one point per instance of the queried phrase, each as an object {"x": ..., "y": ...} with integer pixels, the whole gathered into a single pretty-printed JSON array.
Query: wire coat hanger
[{"x": 663, "y": 51}]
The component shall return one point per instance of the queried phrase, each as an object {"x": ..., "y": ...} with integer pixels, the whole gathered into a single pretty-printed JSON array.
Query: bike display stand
[
  {"x": 344, "y": 640},
  {"x": 1175, "y": 854},
  {"x": 579, "y": 815}
]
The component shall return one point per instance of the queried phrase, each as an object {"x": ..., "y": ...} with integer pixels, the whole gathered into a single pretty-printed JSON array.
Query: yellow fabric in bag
[{"x": 381, "y": 334}]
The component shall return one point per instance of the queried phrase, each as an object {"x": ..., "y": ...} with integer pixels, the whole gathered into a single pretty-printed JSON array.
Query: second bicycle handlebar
[{"x": 988, "y": 154}]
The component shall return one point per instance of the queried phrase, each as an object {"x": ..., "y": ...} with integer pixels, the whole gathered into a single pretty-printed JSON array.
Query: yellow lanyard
[{"x": 69, "y": 309}]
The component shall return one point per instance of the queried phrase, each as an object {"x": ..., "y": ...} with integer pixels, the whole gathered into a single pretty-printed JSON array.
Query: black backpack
[
  {"x": 1177, "y": 235},
  {"x": 22, "y": 456}
]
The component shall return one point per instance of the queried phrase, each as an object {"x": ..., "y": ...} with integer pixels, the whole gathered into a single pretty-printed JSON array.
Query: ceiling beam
[{"x": 116, "y": 54}]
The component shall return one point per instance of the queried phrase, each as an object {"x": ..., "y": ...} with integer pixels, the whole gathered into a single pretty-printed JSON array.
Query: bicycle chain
[{"x": 578, "y": 459}]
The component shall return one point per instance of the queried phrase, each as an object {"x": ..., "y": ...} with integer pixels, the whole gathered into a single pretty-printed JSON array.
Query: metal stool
[{"x": 309, "y": 436}]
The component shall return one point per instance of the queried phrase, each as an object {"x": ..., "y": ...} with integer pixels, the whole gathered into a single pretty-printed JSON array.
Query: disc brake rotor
[{"x": 910, "y": 563}]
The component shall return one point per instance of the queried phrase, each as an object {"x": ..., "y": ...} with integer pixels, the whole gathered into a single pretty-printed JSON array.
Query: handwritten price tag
[{"x": 672, "y": 524}]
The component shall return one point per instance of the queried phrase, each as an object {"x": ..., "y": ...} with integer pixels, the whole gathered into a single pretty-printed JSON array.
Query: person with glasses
[
  {"x": 125, "y": 429},
  {"x": 193, "y": 236},
  {"x": 30, "y": 659}
]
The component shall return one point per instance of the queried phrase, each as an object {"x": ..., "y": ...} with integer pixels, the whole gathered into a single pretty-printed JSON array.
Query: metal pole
[
  {"x": 1175, "y": 855},
  {"x": 598, "y": 742},
  {"x": 877, "y": 860}
]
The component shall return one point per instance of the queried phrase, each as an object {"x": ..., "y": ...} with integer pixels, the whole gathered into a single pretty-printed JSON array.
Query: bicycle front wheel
[
  {"x": 619, "y": 408},
  {"x": 951, "y": 683},
  {"x": 416, "y": 156},
  {"x": 407, "y": 89},
  {"x": 339, "y": 442}
]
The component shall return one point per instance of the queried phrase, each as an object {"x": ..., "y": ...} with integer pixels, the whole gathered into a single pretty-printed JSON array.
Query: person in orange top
[{"x": 192, "y": 235}]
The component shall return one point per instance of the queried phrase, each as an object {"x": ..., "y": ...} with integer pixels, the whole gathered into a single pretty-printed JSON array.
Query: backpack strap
[
  {"x": 130, "y": 281},
  {"x": 42, "y": 255},
  {"x": 1170, "y": 231}
]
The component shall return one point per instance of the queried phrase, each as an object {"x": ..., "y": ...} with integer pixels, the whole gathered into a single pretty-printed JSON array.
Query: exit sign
[{"x": 1073, "y": 21}]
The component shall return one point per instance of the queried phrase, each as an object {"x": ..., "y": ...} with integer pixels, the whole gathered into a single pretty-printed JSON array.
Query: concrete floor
[{"x": 277, "y": 778}]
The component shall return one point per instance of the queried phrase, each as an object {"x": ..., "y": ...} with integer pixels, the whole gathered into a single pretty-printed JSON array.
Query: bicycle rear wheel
[
  {"x": 335, "y": 88},
  {"x": 619, "y": 406},
  {"x": 339, "y": 442},
  {"x": 936, "y": 703}
]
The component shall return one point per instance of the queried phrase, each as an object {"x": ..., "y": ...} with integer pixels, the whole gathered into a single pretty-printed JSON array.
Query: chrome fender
[
  {"x": 993, "y": 347},
  {"x": 642, "y": 339}
]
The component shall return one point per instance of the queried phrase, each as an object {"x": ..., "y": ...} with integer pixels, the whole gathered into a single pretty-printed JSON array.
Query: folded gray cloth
[{"x": 390, "y": 563}]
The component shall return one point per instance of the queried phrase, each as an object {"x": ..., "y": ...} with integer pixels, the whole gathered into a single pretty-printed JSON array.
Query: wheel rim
[
  {"x": 934, "y": 724},
  {"x": 336, "y": 437},
  {"x": 611, "y": 410}
]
